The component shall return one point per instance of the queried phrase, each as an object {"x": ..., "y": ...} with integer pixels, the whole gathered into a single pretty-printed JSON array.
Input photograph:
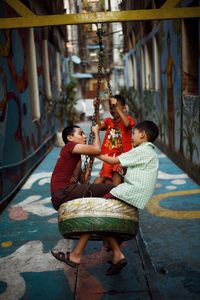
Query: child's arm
[
  {"x": 100, "y": 122},
  {"x": 93, "y": 149},
  {"x": 109, "y": 159},
  {"x": 122, "y": 115}
]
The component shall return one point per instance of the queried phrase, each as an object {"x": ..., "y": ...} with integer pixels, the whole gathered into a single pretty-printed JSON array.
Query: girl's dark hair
[
  {"x": 150, "y": 128},
  {"x": 69, "y": 130},
  {"x": 120, "y": 99}
]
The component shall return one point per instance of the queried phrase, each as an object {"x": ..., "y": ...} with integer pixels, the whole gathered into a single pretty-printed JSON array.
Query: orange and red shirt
[{"x": 117, "y": 137}]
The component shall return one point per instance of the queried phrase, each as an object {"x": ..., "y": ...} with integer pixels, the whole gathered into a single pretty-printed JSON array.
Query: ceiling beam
[
  {"x": 20, "y": 8},
  {"x": 100, "y": 17},
  {"x": 169, "y": 4}
]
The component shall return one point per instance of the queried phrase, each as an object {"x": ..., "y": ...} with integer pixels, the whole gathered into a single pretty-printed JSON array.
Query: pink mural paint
[{"x": 17, "y": 213}]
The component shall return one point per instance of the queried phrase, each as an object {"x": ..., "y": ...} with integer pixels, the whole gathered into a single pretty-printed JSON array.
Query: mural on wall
[
  {"x": 24, "y": 141},
  {"x": 176, "y": 114},
  {"x": 171, "y": 77},
  {"x": 13, "y": 82},
  {"x": 191, "y": 109},
  {"x": 170, "y": 46}
]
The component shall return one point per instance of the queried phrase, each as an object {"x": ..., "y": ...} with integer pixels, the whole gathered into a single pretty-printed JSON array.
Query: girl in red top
[{"x": 117, "y": 139}]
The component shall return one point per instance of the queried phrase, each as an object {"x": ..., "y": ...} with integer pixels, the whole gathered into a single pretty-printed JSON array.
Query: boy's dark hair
[
  {"x": 69, "y": 130},
  {"x": 120, "y": 99},
  {"x": 150, "y": 128}
]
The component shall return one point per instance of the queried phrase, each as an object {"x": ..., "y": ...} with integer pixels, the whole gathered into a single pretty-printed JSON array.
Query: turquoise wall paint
[
  {"x": 179, "y": 122},
  {"x": 23, "y": 141}
]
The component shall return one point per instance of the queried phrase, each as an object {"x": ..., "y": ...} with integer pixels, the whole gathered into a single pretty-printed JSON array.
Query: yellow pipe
[
  {"x": 20, "y": 8},
  {"x": 169, "y": 4},
  {"x": 100, "y": 17}
]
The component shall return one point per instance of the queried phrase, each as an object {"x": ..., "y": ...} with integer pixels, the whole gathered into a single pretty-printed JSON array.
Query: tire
[{"x": 98, "y": 216}]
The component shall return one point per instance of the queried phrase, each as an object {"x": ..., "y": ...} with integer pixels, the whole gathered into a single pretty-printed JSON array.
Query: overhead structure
[{"x": 29, "y": 19}]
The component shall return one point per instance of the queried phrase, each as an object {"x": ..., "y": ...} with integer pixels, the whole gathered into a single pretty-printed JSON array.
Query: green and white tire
[{"x": 98, "y": 216}]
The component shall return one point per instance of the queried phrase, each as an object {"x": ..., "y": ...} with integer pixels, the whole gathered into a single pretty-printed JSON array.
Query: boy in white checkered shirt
[{"x": 142, "y": 167}]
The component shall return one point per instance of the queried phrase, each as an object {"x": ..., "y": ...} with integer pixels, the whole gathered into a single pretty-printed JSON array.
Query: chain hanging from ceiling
[{"x": 101, "y": 74}]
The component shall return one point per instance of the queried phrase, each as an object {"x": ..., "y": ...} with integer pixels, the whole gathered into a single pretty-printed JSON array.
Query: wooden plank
[
  {"x": 20, "y": 8},
  {"x": 100, "y": 17},
  {"x": 169, "y": 4}
]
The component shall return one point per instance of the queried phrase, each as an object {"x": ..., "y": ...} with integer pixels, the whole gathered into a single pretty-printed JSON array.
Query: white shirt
[{"x": 142, "y": 170}]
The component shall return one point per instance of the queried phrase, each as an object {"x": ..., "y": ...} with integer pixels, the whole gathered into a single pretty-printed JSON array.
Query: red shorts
[{"x": 108, "y": 170}]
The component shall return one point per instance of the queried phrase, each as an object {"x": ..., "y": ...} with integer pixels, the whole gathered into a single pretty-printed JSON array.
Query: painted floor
[{"x": 163, "y": 260}]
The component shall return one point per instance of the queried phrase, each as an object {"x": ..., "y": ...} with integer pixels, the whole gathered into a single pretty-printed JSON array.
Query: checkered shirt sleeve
[{"x": 140, "y": 179}]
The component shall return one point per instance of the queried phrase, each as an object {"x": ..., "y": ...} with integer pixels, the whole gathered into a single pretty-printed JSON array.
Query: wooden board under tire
[{"x": 98, "y": 216}]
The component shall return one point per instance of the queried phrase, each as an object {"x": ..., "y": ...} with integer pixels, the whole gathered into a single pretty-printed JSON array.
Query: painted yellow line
[
  {"x": 6, "y": 244},
  {"x": 154, "y": 207}
]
